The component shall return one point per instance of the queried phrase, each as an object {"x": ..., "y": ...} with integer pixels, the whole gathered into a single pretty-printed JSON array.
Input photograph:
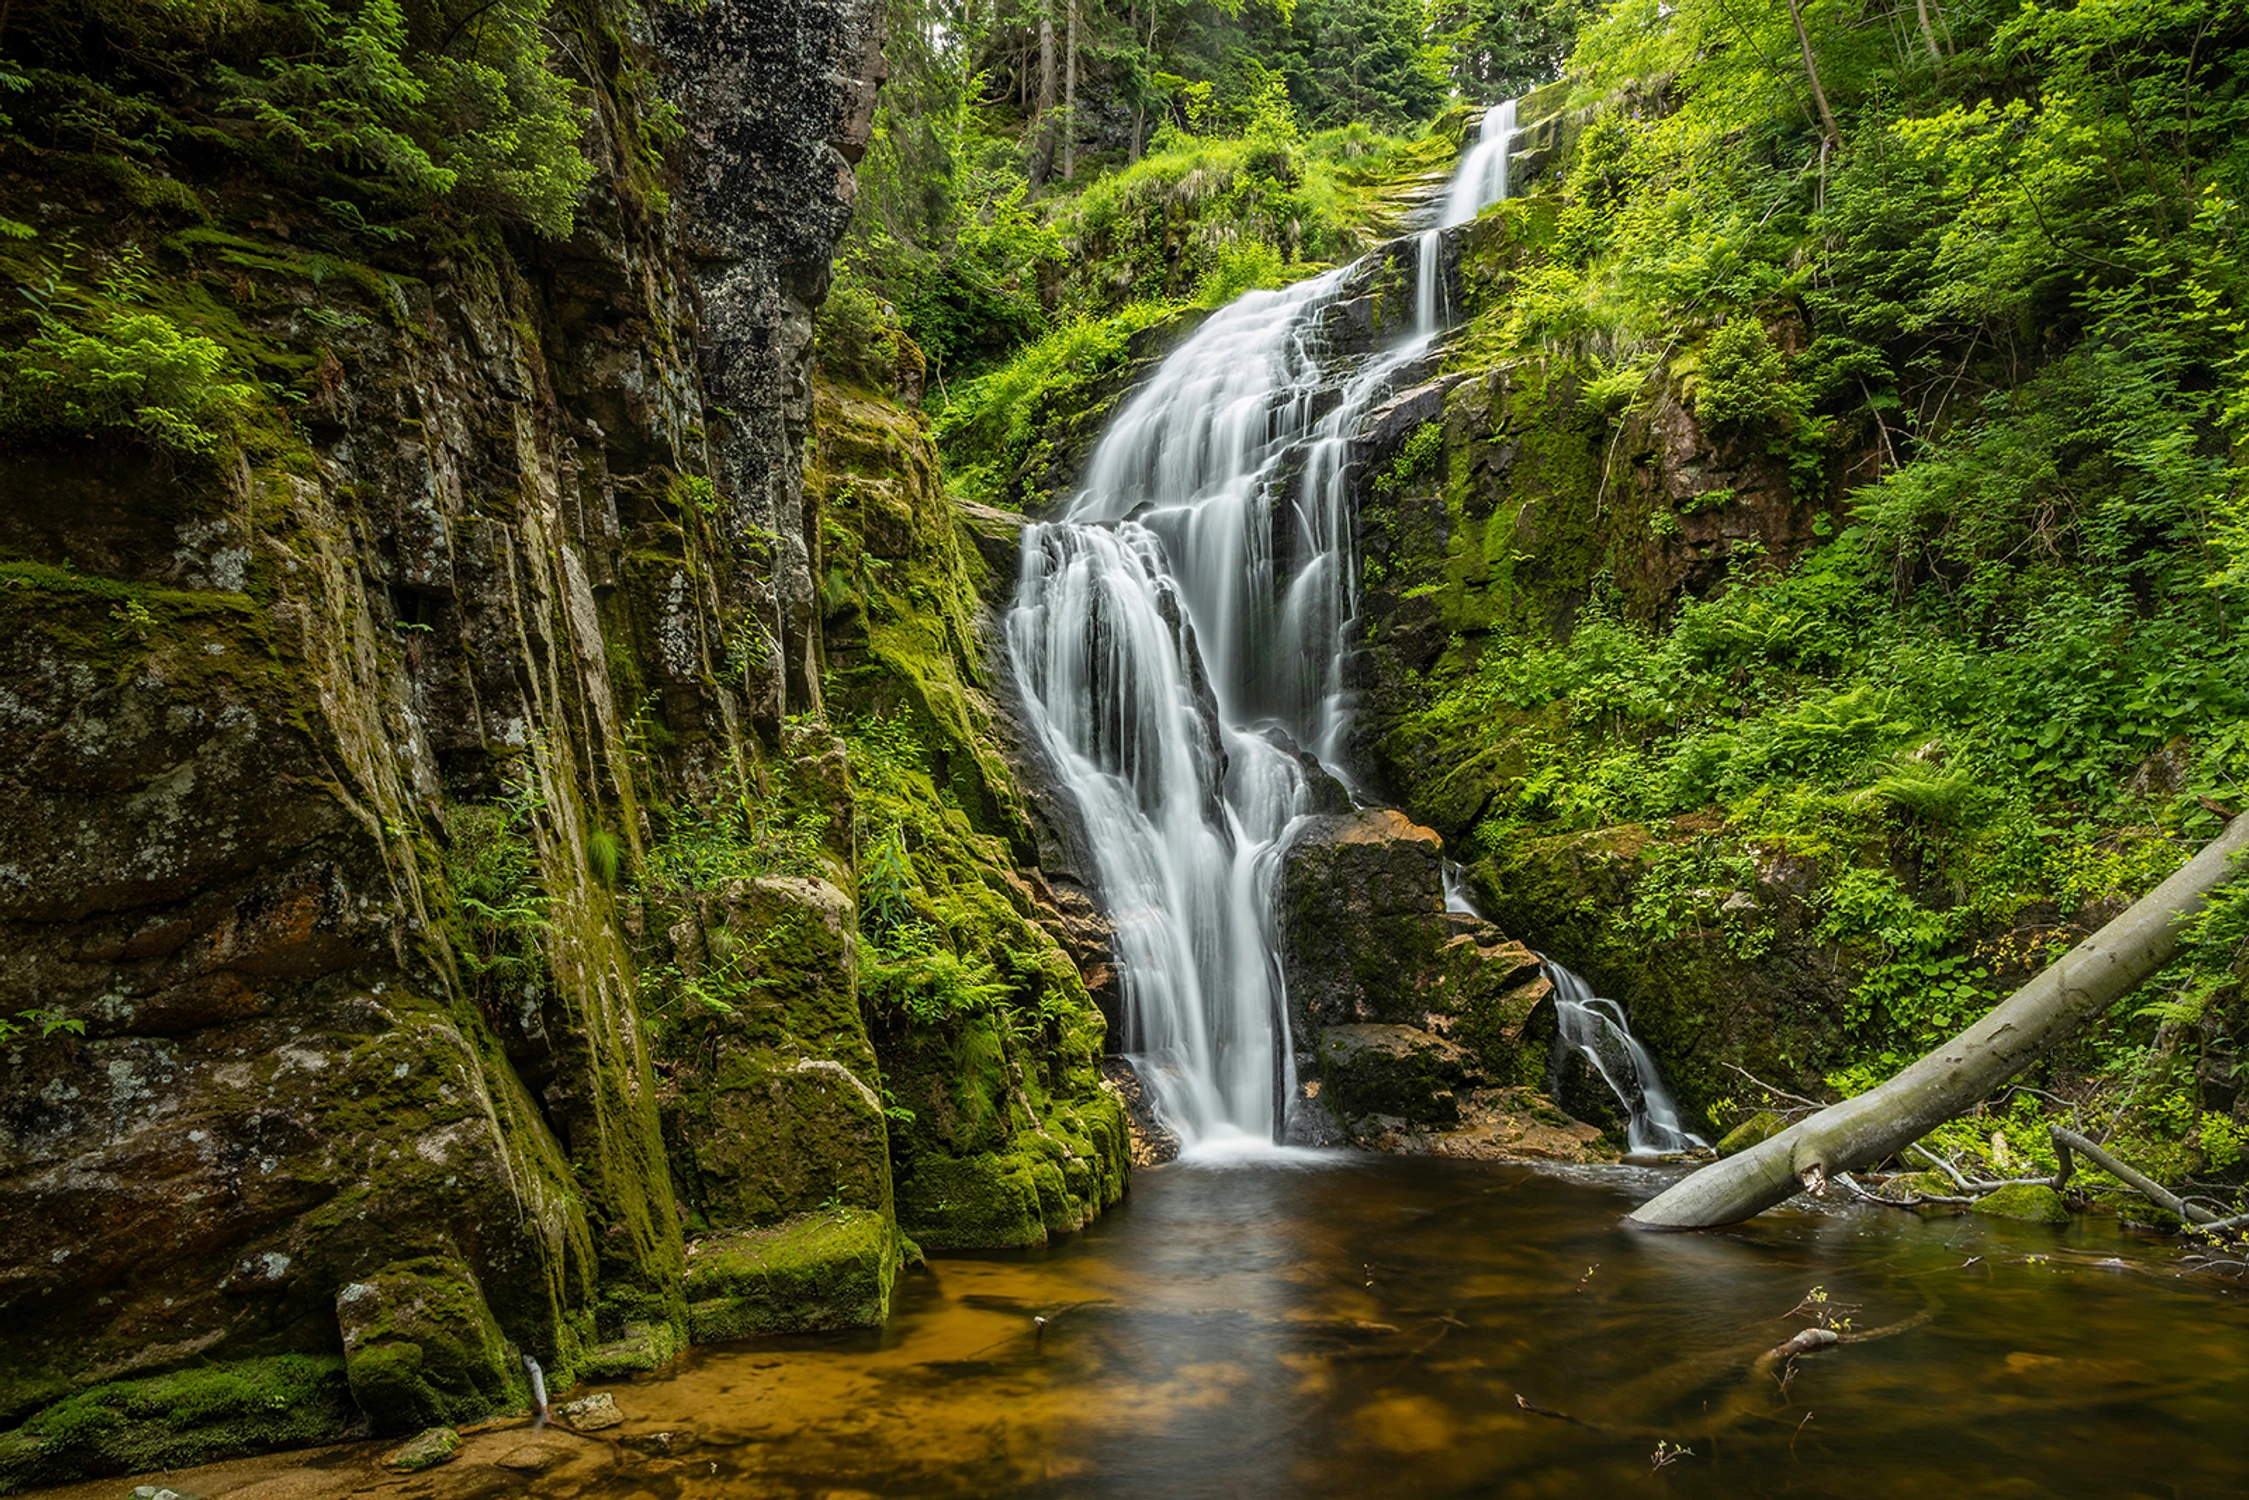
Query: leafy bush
[{"x": 103, "y": 362}]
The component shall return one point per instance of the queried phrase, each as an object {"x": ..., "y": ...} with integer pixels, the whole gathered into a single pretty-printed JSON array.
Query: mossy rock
[
  {"x": 174, "y": 1421},
  {"x": 422, "y": 1350},
  {"x": 1921, "y": 1185},
  {"x": 821, "y": 1271},
  {"x": 1754, "y": 1131},
  {"x": 989, "y": 1201},
  {"x": 425, "y": 1450},
  {"x": 2024, "y": 1200},
  {"x": 1399, "y": 1071},
  {"x": 645, "y": 1347},
  {"x": 1361, "y": 912}
]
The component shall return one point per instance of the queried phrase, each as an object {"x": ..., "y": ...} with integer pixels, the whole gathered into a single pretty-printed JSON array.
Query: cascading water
[
  {"x": 1595, "y": 1028},
  {"x": 1480, "y": 182},
  {"x": 1175, "y": 661}
]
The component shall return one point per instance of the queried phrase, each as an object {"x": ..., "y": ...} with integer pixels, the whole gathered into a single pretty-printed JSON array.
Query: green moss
[
  {"x": 1391, "y": 1070},
  {"x": 831, "y": 1269},
  {"x": 425, "y": 1450},
  {"x": 1930, "y": 1184},
  {"x": 986, "y": 1201},
  {"x": 188, "y": 1417},
  {"x": 2024, "y": 1200},
  {"x": 1759, "y": 1127},
  {"x": 421, "y": 1348},
  {"x": 645, "y": 1347}
]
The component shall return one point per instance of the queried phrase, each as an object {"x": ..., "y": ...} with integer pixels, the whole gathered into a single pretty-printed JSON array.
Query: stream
[{"x": 1340, "y": 1325}]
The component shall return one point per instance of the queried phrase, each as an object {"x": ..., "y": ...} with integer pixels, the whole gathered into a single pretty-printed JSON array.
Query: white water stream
[
  {"x": 1595, "y": 1027},
  {"x": 1179, "y": 636},
  {"x": 1480, "y": 181}
]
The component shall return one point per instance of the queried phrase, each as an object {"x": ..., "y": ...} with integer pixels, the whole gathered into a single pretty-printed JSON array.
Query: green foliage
[
  {"x": 995, "y": 428},
  {"x": 743, "y": 837},
  {"x": 967, "y": 248},
  {"x": 100, "y": 361},
  {"x": 605, "y": 855},
  {"x": 48, "y": 1023},
  {"x": 931, "y": 949},
  {"x": 2003, "y": 684},
  {"x": 492, "y": 865},
  {"x": 371, "y": 107}
]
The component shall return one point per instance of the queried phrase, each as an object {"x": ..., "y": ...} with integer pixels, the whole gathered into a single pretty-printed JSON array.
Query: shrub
[{"x": 105, "y": 363}]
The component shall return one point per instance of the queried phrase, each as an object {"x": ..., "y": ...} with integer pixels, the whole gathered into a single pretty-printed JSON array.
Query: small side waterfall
[
  {"x": 1595, "y": 1028},
  {"x": 1179, "y": 635}
]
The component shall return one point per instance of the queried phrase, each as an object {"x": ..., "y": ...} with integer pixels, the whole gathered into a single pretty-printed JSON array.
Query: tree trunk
[
  {"x": 1042, "y": 154},
  {"x": 1140, "y": 102},
  {"x": 1811, "y": 71},
  {"x": 1929, "y": 33},
  {"x": 1070, "y": 99},
  {"x": 1859, "y": 1132}
]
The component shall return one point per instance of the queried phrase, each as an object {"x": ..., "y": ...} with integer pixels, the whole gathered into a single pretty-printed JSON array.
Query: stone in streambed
[
  {"x": 1495, "y": 1124},
  {"x": 2024, "y": 1200},
  {"x": 422, "y": 1349},
  {"x": 425, "y": 1450},
  {"x": 1754, "y": 1131},
  {"x": 1399, "y": 1071},
  {"x": 644, "y": 1348},
  {"x": 591, "y": 1413}
]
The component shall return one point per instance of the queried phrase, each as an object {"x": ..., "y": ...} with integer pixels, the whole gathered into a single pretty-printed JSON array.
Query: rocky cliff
[{"x": 432, "y": 881}]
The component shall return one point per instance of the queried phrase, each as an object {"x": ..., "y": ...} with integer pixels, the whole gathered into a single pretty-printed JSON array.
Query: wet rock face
[
  {"x": 1362, "y": 912},
  {"x": 243, "y": 711},
  {"x": 1415, "y": 1029},
  {"x": 779, "y": 98},
  {"x": 1400, "y": 1071},
  {"x": 773, "y": 1107}
]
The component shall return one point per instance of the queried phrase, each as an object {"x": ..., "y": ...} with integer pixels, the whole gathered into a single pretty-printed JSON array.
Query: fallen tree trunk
[
  {"x": 1954, "y": 1078},
  {"x": 2067, "y": 1142}
]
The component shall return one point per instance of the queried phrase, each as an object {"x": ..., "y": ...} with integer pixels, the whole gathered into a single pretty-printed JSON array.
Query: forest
[{"x": 1040, "y": 747}]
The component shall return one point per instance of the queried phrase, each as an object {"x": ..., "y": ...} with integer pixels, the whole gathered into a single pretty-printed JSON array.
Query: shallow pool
[{"x": 1375, "y": 1326}]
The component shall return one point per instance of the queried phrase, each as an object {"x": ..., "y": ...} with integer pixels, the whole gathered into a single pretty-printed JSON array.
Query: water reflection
[{"x": 1366, "y": 1327}]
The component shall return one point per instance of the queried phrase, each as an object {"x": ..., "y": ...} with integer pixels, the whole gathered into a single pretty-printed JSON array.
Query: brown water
[{"x": 1365, "y": 1328}]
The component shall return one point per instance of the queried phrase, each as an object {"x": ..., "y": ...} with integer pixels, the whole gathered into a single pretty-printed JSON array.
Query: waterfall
[
  {"x": 1596, "y": 1029},
  {"x": 1480, "y": 181},
  {"x": 1179, "y": 636}
]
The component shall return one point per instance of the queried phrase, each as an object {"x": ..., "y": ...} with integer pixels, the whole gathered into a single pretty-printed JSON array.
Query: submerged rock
[
  {"x": 425, "y": 1450},
  {"x": 1504, "y": 1124},
  {"x": 594, "y": 1413}
]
